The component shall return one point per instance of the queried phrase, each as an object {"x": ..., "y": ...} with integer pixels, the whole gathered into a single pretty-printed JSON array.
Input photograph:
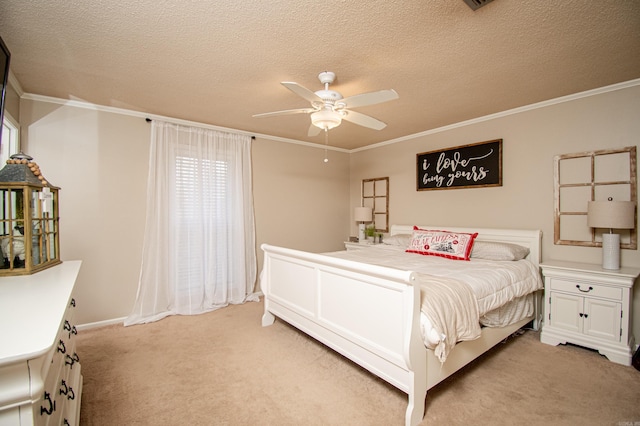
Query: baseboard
[
  {"x": 100, "y": 324},
  {"x": 104, "y": 323}
]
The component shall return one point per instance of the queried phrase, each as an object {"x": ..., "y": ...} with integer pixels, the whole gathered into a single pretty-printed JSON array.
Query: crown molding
[
  {"x": 82, "y": 104},
  {"x": 15, "y": 84},
  {"x": 87, "y": 105},
  {"x": 543, "y": 104}
]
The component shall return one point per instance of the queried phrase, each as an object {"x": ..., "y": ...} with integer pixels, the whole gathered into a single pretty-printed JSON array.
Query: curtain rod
[{"x": 148, "y": 120}]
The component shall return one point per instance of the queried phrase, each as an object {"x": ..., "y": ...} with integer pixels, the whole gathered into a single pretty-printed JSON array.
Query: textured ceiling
[{"x": 220, "y": 62}]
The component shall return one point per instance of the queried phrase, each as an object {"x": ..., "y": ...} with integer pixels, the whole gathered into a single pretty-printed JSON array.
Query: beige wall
[
  {"x": 100, "y": 160},
  {"x": 300, "y": 201},
  {"x": 531, "y": 139}
]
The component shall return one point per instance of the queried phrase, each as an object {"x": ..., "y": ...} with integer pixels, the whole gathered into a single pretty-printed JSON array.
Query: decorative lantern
[{"x": 29, "y": 221}]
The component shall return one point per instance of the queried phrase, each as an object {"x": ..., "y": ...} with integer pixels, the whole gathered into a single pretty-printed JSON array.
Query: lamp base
[
  {"x": 361, "y": 236},
  {"x": 610, "y": 251}
]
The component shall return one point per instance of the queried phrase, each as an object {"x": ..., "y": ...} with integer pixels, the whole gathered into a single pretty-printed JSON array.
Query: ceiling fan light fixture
[
  {"x": 329, "y": 108},
  {"x": 326, "y": 119}
]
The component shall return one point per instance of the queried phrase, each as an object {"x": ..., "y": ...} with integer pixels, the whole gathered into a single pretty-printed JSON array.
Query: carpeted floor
[{"x": 223, "y": 368}]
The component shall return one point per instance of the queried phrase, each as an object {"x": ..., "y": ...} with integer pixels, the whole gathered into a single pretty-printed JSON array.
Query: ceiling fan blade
[
  {"x": 314, "y": 130},
  {"x": 302, "y": 91},
  {"x": 286, "y": 112},
  {"x": 370, "y": 98},
  {"x": 364, "y": 120}
]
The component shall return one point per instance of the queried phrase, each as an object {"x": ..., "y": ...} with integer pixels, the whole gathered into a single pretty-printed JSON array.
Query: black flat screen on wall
[{"x": 4, "y": 76}]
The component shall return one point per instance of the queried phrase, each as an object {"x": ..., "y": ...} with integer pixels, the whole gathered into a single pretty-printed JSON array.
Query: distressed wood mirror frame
[
  {"x": 592, "y": 176},
  {"x": 375, "y": 194}
]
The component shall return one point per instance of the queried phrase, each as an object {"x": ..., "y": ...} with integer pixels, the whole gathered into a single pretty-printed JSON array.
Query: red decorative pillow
[{"x": 452, "y": 245}]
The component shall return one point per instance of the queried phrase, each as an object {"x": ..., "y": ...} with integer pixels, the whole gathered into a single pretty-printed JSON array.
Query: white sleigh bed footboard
[{"x": 370, "y": 314}]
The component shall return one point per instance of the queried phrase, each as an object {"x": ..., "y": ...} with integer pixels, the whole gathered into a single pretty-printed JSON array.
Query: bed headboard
[{"x": 529, "y": 238}]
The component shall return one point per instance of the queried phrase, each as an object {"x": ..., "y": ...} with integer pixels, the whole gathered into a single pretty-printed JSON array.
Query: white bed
[{"x": 371, "y": 313}]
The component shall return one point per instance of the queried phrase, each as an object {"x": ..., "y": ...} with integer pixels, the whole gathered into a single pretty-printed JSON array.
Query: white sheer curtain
[{"x": 199, "y": 241}]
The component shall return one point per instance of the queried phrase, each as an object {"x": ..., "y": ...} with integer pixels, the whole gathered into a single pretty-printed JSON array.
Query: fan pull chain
[{"x": 326, "y": 143}]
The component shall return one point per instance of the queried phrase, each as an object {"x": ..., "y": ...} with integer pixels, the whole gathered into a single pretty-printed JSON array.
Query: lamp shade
[
  {"x": 363, "y": 214},
  {"x": 611, "y": 214}
]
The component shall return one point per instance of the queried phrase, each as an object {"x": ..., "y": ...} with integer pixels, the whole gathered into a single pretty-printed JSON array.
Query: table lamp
[
  {"x": 362, "y": 215},
  {"x": 613, "y": 215}
]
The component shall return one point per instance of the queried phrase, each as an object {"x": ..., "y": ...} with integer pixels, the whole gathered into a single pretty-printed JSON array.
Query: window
[
  {"x": 10, "y": 139},
  {"x": 200, "y": 212}
]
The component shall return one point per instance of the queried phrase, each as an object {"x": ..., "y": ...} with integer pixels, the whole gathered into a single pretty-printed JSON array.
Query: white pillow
[
  {"x": 498, "y": 251},
  {"x": 401, "y": 240}
]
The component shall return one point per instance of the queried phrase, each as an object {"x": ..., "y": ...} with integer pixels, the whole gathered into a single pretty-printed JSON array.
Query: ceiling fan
[{"x": 329, "y": 108}]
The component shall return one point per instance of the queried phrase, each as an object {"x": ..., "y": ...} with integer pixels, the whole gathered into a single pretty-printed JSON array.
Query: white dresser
[
  {"x": 589, "y": 306},
  {"x": 40, "y": 379}
]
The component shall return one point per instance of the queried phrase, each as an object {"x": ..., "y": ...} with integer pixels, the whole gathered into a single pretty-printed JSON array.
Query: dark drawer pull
[
  {"x": 64, "y": 389},
  {"x": 584, "y": 291},
  {"x": 61, "y": 347},
  {"x": 70, "y": 328},
  {"x": 70, "y": 360},
  {"x": 52, "y": 405}
]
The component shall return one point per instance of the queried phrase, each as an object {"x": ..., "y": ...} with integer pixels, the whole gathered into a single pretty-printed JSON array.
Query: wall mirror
[
  {"x": 592, "y": 176},
  {"x": 375, "y": 194}
]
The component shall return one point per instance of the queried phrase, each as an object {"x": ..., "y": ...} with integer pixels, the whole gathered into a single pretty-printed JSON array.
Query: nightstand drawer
[{"x": 585, "y": 288}]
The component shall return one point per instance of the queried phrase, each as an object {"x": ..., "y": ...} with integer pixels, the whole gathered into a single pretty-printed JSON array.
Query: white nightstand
[{"x": 589, "y": 306}]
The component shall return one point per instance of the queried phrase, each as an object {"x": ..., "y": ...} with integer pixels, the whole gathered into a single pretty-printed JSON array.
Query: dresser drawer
[{"x": 586, "y": 289}]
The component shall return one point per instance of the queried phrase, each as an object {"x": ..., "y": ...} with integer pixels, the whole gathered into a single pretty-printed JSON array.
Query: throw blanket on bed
[
  {"x": 452, "y": 309},
  {"x": 492, "y": 284}
]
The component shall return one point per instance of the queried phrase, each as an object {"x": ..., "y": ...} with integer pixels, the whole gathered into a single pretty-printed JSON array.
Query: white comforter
[{"x": 494, "y": 283}]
